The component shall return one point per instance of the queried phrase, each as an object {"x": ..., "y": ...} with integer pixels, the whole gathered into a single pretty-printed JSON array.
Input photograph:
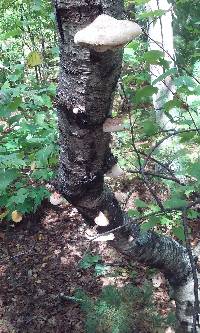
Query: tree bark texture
[
  {"x": 87, "y": 82},
  {"x": 85, "y": 94}
]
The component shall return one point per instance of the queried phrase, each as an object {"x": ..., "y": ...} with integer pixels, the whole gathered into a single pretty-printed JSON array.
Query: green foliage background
[
  {"x": 29, "y": 148},
  {"x": 28, "y": 131}
]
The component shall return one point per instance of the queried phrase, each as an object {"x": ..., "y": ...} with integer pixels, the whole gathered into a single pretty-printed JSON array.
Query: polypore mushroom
[
  {"x": 101, "y": 220},
  {"x": 113, "y": 125},
  {"x": 115, "y": 172},
  {"x": 120, "y": 196},
  {"x": 56, "y": 199},
  {"x": 107, "y": 33}
]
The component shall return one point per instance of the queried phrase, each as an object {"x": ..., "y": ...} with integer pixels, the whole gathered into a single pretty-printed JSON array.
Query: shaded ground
[
  {"x": 39, "y": 260},
  {"x": 36, "y": 266},
  {"x": 40, "y": 263}
]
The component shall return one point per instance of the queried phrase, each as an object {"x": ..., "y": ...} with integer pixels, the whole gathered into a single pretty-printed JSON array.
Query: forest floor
[{"x": 40, "y": 260}]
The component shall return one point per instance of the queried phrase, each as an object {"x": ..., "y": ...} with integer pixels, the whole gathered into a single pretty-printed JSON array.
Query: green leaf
[
  {"x": 133, "y": 213},
  {"x": 175, "y": 203},
  {"x": 11, "y": 160},
  {"x": 141, "y": 2},
  {"x": 140, "y": 203},
  {"x": 174, "y": 103},
  {"x": 7, "y": 109},
  {"x": 165, "y": 221},
  {"x": 186, "y": 137},
  {"x": 192, "y": 214},
  {"x": 7, "y": 177},
  {"x": 150, "y": 127},
  {"x": 151, "y": 14},
  {"x": 167, "y": 73},
  {"x": 36, "y": 5},
  {"x": 43, "y": 174},
  {"x": 101, "y": 269},
  {"x": 179, "y": 232},
  {"x": 89, "y": 260},
  {"x": 38, "y": 194},
  {"x": 184, "y": 81},
  {"x": 43, "y": 154},
  {"x": 194, "y": 170},
  {"x": 152, "y": 56},
  {"x": 144, "y": 92},
  {"x": 152, "y": 222},
  {"x": 19, "y": 197}
]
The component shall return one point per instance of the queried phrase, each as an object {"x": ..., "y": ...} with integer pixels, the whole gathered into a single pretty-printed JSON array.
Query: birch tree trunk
[
  {"x": 86, "y": 88},
  {"x": 161, "y": 35},
  {"x": 161, "y": 32}
]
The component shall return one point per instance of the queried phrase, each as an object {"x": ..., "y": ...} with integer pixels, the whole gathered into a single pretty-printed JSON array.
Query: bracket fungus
[
  {"x": 101, "y": 220},
  {"x": 115, "y": 172},
  {"x": 107, "y": 33},
  {"x": 113, "y": 125},
  {"x": 56, "y": 199}
]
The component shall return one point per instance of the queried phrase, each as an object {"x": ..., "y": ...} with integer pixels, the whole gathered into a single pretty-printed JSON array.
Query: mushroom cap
[
  {"x": 107, "y": 33},
  {"x": 113, "y": 125},
  {"x": 101, "y": 220},
  {"x": 115, "y": 172}
]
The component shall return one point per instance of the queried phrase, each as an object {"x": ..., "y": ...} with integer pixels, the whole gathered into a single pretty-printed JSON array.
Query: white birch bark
[{"x": 161, "y": 31}]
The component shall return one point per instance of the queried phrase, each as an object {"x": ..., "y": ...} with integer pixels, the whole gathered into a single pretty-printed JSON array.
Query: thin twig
[
  {"x": 144, "y": 177},
  {"x": 158, "y": 175},
  {"x": 180, "y": 99},
  {"x": 164, "y": 166},
  {"x": 160, "y": 142},
  {"x": 144, "y": 217},
  {"x": 171, "y": 57}
]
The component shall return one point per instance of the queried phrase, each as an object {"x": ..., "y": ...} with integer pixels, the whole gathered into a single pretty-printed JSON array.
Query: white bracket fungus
[
  {"x": 56, "y": 199},
  {"x": 115, "y": 172},
  {"x": 78, "y": 109},
  {"x": 107, "y": 33},
  {"x": 101, "y": 220},
  {"x": 113, "y": 125}
]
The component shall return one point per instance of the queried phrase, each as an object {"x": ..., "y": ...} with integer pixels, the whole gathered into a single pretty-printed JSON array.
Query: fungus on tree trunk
[
  {"x": 86, "y": 88},
  {"x": 107, "y": 33}
]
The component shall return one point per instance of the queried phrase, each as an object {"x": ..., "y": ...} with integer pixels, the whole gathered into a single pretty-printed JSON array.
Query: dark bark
[
  {"x": 85, "y": 94},
  {"x": 86, "y": 88}
]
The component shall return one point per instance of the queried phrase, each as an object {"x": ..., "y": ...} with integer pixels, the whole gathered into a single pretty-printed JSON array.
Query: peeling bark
[{"x": 86, "y": 88}]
